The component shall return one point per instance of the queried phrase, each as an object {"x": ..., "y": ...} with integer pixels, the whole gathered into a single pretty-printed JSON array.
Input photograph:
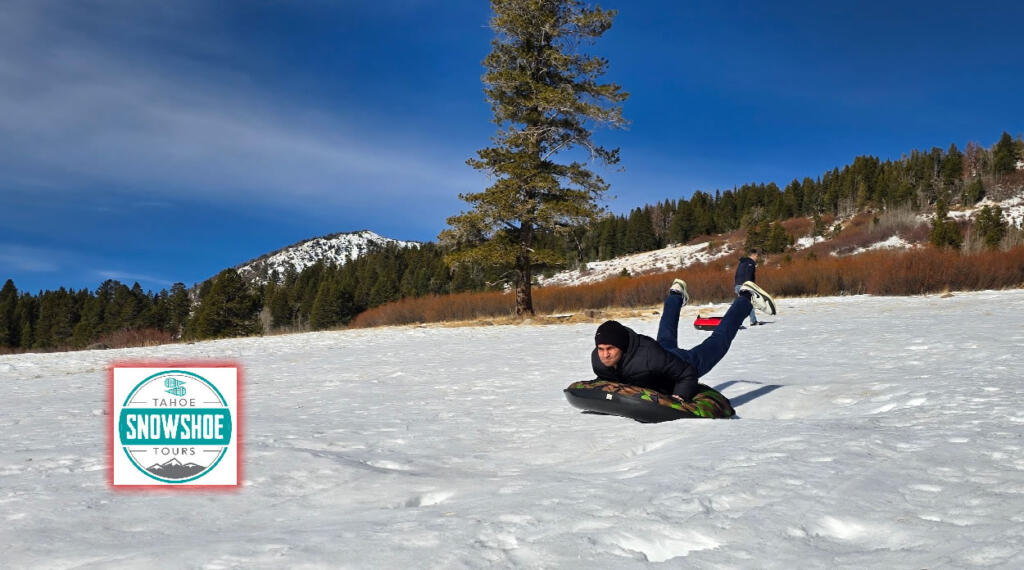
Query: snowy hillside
[
  {"x": 659, "y": 260},
  {"x": 336, "y": 249},
  {"x": 682, "y": 256},
  {"x": 1013, "y": 210},
  {"x": 339, "y": 248},
  {"x": 873, "y": 433}
]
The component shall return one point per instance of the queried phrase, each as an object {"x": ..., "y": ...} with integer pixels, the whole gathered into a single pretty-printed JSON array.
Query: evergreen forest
[{"x": 325, "y": 296}]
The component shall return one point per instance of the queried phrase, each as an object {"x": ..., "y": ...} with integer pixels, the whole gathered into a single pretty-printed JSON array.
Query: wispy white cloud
[
  {"x": 16, "y": 258},
  {"x": 129, "y": 277},
  {"x": 30, "y": 259},
  {"x": 76, "y": 110}
]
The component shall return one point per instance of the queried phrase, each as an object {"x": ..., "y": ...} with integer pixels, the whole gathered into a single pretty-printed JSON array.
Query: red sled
[{"x": 706, "y": 323}]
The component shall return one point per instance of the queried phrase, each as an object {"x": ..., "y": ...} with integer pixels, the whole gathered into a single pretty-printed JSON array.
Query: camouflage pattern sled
[{"x": 645, "y": 405}]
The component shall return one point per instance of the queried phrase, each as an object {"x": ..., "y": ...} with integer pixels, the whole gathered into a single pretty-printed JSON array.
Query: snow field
[{"x": 873, "y": 432}]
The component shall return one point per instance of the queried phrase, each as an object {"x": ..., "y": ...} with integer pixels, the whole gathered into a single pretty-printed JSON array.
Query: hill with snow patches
[
  {"x": 678, "y": 256},
  {"x": 341, "y": 247},
  {"x": 336, "y": 249},
  {"x": 873, "y": 432},
  {"x": 659, "y": 260}
]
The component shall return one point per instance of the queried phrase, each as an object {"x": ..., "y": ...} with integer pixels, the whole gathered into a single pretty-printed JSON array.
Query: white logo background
[{"x": 126, "y": 379}]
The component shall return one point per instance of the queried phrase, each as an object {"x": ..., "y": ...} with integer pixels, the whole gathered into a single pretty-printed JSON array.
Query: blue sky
[{"x": 164, "y": 141}]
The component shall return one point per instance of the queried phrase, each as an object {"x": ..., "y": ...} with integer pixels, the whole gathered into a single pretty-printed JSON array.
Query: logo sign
[{"x": 175, "y": 425}]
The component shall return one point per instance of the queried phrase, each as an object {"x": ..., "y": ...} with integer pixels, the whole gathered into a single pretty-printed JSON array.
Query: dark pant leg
[
  {"x": 706, "y": 355},
  {"x": 668, "y": 328}
]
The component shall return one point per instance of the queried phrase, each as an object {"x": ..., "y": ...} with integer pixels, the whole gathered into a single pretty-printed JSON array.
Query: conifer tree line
[
  {"x": 319, "y": 297},
  {"x": 324, "y": 296},
  {"x": 78, "y": 319},
  {"x": 923, "y": 180}
]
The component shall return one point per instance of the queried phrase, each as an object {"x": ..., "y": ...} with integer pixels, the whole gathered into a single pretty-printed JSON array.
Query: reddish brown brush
[{"x": 905, "y": 272}]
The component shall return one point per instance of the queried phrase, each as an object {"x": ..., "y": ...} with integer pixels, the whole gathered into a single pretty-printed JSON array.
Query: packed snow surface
[{"x": 881, "y": 432}]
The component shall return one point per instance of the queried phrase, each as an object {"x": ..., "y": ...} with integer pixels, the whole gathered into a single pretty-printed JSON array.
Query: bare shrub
[
  {"x": 847, "y": 207},
  {"x": 798, "y": 227},
  {"x": 856, "y": 234},
  {"x": 918, "y": 234},
  {"x": 999, "y": 188},
  {"x": 437, "y": 308},
  {"x": 975, "y": 243},
  {"x": 1014, "y": 238},
  {"x": 906, "y": 272},
  {"x": 896, "y": 220},
  {"x": 128, "y": 338}
]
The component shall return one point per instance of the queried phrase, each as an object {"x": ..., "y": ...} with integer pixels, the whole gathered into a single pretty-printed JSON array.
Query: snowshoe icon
[{"x": 175, "y": 386}]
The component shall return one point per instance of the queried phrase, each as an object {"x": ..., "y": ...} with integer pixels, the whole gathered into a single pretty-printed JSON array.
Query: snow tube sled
[
  {"x": 706, "y": 323},
  {"x": 643, "y": 404}
]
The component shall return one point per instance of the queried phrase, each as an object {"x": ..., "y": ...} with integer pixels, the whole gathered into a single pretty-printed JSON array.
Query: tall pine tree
[
  {"x": 990, "y": 226},
  {"x": 945, "y": 232},
  {"x": 228, "y": 309},
  {"x": 1004, "y": 155},
  {"x": 8, "y": 326},
  {"x": 546, "y": 97}
]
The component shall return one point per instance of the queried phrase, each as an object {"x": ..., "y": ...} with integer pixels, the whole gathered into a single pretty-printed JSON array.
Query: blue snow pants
[{"x": 707, "y": 354}]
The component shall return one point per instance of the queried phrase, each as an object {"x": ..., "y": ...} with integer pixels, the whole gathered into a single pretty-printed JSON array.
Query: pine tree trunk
[{"x": 524, "y": 295}]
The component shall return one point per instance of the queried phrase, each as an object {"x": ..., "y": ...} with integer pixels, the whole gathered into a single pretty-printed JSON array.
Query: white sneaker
[
  {"x": 761, "y": 300},
  {"x": 679, "y": 288}
]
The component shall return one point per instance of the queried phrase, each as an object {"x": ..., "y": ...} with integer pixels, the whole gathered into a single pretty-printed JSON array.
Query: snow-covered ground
[{"x": 873, "y": 432}]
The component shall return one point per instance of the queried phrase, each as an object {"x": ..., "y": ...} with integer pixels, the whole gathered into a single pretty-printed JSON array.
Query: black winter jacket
[
  {"x": 646, "y": 364},
  {"x": 745, "y": 270}
]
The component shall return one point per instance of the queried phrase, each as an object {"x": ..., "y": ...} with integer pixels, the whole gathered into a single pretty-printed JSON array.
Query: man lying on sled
[{"x": 626, "y": 357}]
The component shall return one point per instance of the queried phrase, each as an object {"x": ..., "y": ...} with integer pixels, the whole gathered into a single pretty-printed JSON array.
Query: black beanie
[{"x": 613, "y": 333}]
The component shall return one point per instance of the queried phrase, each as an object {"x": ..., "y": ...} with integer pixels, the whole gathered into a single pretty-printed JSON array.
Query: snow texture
[
  {"x": 807, "y": 241},
  {"x": 1012, "y": 208},
  {"x": 335, "y": 249},
  {"x": 892, "y": 242},
  {"x": 659, "y": 260},
  {"x": 881, "y": 432}
]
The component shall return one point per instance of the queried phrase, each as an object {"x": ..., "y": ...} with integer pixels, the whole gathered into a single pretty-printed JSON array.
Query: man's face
[{"x": 609, "y": 354}]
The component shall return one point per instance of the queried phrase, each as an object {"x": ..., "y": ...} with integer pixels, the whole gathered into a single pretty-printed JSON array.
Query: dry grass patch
[{"x": 910, "y": 272}]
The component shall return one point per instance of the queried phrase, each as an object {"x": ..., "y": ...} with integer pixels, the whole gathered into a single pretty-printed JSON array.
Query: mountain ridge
[{"x": 337, "y": 248}]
